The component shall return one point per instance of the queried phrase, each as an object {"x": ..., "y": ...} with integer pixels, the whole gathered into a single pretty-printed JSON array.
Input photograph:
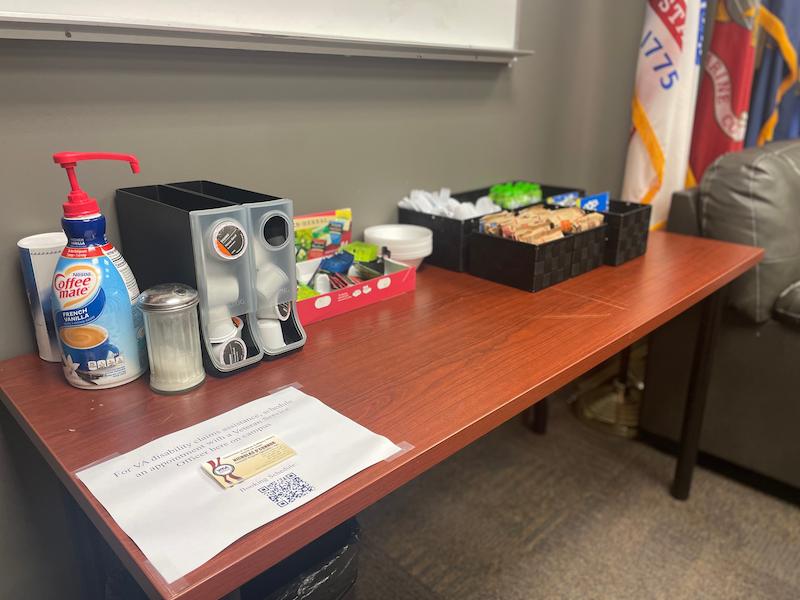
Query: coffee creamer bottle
[{"x": 100, "y": 328}]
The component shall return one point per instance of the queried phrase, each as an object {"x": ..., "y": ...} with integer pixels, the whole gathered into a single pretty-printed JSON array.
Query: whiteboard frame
[{"x": 24, "y": 26}]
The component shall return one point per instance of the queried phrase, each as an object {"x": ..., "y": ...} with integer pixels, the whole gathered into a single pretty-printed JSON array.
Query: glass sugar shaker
[{"x": 173, "y": 337}]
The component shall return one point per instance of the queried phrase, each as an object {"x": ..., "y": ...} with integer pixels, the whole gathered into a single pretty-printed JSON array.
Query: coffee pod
[
  {"x": 222, "y": 290},
  {"x": 228, "y": 239},
  {"x": 239, "y": 323},
  {"x": 278, "y": 311},
  {"x": 270, "y": 282},
  {"x": 231, "y": 352},
  {"x": 221, "y": 327},
  {"x": 271, "y": 334}
]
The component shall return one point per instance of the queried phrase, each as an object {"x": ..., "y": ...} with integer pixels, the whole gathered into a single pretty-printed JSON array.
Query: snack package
[{"x": 539, "y": 225}]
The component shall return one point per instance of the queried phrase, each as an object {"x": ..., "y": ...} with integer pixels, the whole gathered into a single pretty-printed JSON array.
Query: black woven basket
[
  {"x": 451, "y": 236},
  {"x": 588, "y": 250},
  {"x": 521, "y": 265},
  {"x": 628, "y": 224}
]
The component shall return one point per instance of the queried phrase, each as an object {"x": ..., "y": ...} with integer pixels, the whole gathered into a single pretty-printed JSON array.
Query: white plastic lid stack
[{"x": 408, "y": 244}]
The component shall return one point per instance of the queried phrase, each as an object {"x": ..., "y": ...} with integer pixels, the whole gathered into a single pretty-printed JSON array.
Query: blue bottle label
[{"x": 100, "y": 328}]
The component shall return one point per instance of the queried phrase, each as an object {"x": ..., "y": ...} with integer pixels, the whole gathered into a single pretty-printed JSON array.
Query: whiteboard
[{"x": 467, "y": 24}]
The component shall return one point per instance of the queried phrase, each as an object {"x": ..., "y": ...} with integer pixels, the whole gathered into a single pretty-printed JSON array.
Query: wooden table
[{"x": 436, "y": 368}]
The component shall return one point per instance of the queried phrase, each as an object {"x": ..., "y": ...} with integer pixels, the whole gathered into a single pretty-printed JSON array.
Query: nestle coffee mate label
[{"x": 99, "y": 327}]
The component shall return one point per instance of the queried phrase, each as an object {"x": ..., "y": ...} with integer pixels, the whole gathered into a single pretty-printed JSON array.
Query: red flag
[{"x": 720, "y": 117}]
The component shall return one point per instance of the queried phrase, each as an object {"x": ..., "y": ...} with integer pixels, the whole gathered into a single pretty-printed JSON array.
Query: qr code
[{"x": 286, "y": 490}]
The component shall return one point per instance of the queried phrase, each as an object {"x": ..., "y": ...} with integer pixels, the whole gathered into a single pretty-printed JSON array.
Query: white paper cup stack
[{"x": 38, "y": 255}]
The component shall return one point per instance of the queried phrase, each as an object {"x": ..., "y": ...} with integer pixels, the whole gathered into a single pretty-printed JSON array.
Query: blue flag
[{"x": 775, "y": 102}]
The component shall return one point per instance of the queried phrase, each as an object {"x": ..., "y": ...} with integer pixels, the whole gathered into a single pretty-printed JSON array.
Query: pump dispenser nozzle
[{"x": 79, "y": 204}]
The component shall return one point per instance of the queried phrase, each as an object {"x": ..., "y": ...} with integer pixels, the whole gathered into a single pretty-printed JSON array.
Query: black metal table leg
[
  {"x": 696, "y": 397},
  {"x": 624, "y": 365},
  {"x": 536, "y": 419}
]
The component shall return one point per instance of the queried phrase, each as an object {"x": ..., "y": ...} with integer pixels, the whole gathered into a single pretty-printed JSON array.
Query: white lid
[
  {"x": 402, "y": 233},
  {"x": 54, "y": 240}
]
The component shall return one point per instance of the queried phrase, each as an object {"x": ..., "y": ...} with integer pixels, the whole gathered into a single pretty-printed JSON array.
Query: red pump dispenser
[{"x": 79, "y": 204}]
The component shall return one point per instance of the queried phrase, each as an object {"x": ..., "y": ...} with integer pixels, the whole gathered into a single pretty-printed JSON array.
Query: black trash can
[{"x": 325, "y": 569}]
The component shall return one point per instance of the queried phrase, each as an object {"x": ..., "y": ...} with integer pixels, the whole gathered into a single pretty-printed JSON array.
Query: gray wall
[{"x": 326, "y": 131}]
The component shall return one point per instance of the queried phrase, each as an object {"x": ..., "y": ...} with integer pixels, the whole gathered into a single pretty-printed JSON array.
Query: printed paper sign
[{"x": 288, "y": 448}]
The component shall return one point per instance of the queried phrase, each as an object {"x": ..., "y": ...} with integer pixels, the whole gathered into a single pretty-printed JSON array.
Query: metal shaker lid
[{"x": 166, "y": 297}]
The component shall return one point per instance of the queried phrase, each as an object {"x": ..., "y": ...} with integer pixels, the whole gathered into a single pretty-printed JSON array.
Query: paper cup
[{"x": 38, "y": 255}]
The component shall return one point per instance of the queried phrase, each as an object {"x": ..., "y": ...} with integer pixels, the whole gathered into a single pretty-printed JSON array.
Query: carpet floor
[{"x": 574, "y": 514}]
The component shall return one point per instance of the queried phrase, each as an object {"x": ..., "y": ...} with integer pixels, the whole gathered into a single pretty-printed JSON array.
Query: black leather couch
[{"x": 753, "y": 412}]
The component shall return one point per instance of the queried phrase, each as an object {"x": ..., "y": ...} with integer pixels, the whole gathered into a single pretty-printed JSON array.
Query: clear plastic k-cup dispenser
[
  {"x": 271, "y": 238},
  {"x": 224, "y": 281},
  {"x": 171, "y": 233}
]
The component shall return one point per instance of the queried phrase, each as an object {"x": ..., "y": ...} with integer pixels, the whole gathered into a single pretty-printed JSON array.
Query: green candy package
[{"x": 515, "y": 194}]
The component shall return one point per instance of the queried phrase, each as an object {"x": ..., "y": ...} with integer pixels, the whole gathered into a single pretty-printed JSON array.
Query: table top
[{"x": 436, "y": 368}]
